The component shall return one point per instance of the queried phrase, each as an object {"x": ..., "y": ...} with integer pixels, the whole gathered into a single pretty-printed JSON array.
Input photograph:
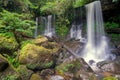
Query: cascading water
[
  {"x": 76, "y": 32},
  {"x": 36, "y": 29},
  {"x": 96, "y": 48},
  {"x": 49, "y": 28},
  {"x": 45, "y": 26}
]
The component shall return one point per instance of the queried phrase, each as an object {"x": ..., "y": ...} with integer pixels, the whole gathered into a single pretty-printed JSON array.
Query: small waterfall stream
[
  {"x": 49, "y": 28},
  {"x": 45, "y": 26},
  {"x": 36, "y": 29}
]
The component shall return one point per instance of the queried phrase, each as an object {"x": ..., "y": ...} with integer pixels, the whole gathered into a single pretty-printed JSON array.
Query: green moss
[
  {"x": 24, "y": 72},
  {"x": 24, "y": 43},
  {"x": 7, "y": 40},
  {"x": 41, "y": 65},
  {"x": 110, "y": 78},
  {"x": 35, "y": 77},
  {"x": 71, "y": 66},
  {"x": 11, "y": 77}
]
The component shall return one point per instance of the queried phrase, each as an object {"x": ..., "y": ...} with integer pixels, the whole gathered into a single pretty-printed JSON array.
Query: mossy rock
[
  {"x": 8, "y": 72},
  {"x": 24, "y": 72},
  {"x": 37, "y": 57},
  {"x": 110, "y": 78},
  {"x": 7, "y": 42},
  {"x": 40, "y": 40},
  {"x": 69, "y": 66},
  {"x": 35, "y": 77}
]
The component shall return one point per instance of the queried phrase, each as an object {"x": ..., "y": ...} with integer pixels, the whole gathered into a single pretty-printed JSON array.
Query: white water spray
[{"x": 96, "y": 48}]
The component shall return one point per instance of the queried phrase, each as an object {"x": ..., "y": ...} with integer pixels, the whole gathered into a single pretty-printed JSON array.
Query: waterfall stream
[{"x": 96, "y": 48}]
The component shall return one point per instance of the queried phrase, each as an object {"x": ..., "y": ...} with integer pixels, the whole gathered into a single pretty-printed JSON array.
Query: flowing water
[
  {"x": 49, "y": 28},
  {"x": 96, "y": 48},
  {"x": 76, "y": 31},
  {"x": 45, "y": 26},
  {"x": 36, "y": 29}
]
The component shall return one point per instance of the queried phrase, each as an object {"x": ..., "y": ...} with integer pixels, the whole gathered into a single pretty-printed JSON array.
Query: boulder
[
  {"x": 38, "y": 57},
  {"x": 40, "y": 40},
  {"x": 7, "y": 72},
  {"x": 24, "y": 72},
  {"x": 110, "y": 66},
  {"x": 35, "y": 77},
  {"x": 7, "y": 43},
  {"x": 74, "y": 70}
]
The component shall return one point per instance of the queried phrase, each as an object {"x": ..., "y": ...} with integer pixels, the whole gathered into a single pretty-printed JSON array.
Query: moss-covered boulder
[
  {"x": 37, "y": 57},
  {"x": 7, "y": 42},
  {"x": 75, "y": 70},
  {"x": 24, "y": 72},
  {"x": 40, "y": 40},
  {"x": 36, "y": 77},
  {"x": 7, "y": 71}
]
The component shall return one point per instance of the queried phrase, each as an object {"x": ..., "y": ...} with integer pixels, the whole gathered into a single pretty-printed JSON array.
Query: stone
[
  {"x": 40, "y": 40},
  {"x": 46, "y": 72},
  {"x": 24, "y": 72},
  {"x": 35, "y": 77},
  {"x": 8, "y": 43},
  {"x": 56, "y": 77},
  {"x": 7, "y": 71},
  {"x": 38, "y": 57}
]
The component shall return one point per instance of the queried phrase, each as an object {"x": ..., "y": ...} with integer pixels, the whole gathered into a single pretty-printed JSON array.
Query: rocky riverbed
[{"x": 45, "y": 59}]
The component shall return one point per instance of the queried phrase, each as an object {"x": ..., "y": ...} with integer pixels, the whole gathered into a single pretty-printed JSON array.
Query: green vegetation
[
  {"x": 110, "y": 78},
  {"x": 12, "y": 60},
  {"x": 11, "y": 77},
  {"x": 111, "y": 25}
]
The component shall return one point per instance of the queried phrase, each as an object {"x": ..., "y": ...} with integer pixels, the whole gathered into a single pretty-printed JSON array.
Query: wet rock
[
  {"x": 110, "y": 66},
  {"x": 56, "y": 77},
  {"x": 46, "y": 72},
  {"x": 24, "y": 72}
]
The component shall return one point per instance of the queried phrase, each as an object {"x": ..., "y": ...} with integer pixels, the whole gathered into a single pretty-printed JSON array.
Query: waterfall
[
  {"x": 49, "y": 26},
  {"x": 96, "y": 48},
  {"x": 76, "y": 32},
  {"x": 36, "y": 28}
]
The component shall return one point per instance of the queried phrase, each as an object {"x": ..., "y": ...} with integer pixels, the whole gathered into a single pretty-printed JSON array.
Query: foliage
[
  {"x": 12, "y": 60},
  {"x": 57, "y": 7},
  {"x": 24, "y": 43},
  {"x": 111, "y": 25},
  {"x": 115, "y": 37},
  {"x": 13, "y": 22},
  {"x": 61, "y": 26},
  {"x": 110, "y": 78},
  {"x": 79, "y": 3}
]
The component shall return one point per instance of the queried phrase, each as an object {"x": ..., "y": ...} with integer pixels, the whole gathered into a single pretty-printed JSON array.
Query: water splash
[{"x": 96, "y": 48}]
